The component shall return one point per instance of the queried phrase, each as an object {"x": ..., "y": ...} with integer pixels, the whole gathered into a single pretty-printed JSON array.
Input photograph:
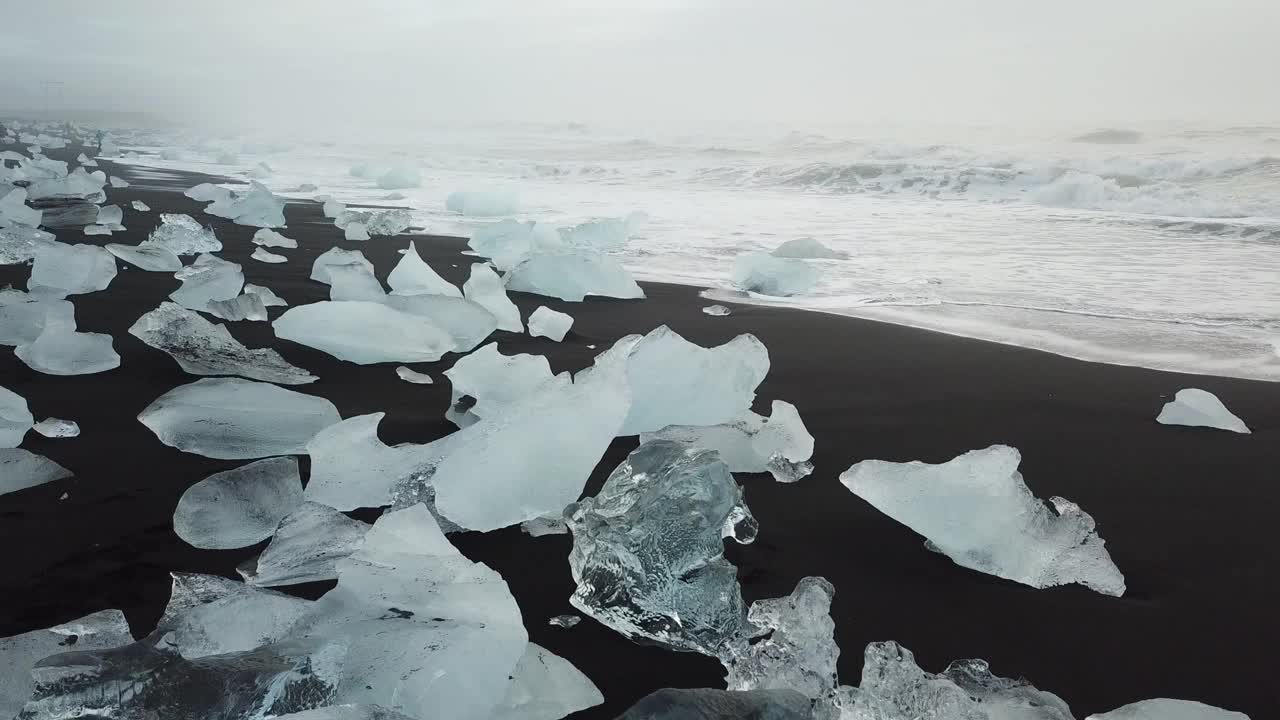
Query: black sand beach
[{"x": 1188, "y": 514}]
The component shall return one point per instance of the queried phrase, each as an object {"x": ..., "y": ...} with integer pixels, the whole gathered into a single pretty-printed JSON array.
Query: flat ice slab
[
  {"x": 364, "y": 332},
  {"x": 1166, "y": 709},
  {"x": 572, "y": 276},
  {"x": 768, "y": 275},
  {"x": 1200, "y": 408},
  {"x": 240, "y": 507}
]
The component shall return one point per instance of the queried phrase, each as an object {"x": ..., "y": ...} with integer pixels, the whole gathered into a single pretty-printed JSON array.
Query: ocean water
[{"x": 1162, "y": 253}]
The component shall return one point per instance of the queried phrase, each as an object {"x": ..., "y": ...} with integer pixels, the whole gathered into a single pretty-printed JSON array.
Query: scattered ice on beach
[
  {"x": 19, "y": 653},
  {"x": 72, "y": 269},
  {"x": 545, "y": 686},
  {"x": 203, "y": 348},
  {"x": 151, "y": 258},
  {"x": 306, "y": 547},
  {"x": 268, "y": 257},
  {"x": 256, "y": 207},
  {"x": 1166, "y": 709},
  {"x": 413, "y": 276},
  {"x": 1200, "y": 408},
  {"x": 23, "y": 316},
  {"x": 240, "y": 507},
  {"x": 364, "y": 332},
  {"x": 545, "y": 322},
  {"x": 606, "y": 234},
  {"x": 676, "y": 382},
  {"x": 565, "y": 621},
  {"x": 234, "y": 419},
  {"x": 182, "y": 235},
  {"x": 55, "y": 427},
  {"x": 60, "y": 350},
  {"x": 399, "y": 178},
  {"x": 767, "y": 275},
  {"x": 648, "y": 551},
  {"x": 485, "y": 288},
  {"x": 15, "y": 418},
  {"x": 791, "y": 644},
  {"x": 494, "y": 382},
  {"x": 412, "y": 376},
  {"x": 110, "y": 215},
  {"x": 14, "y": 210},
  {"x": 545, "y": 525},
  {"x": 208, "y": 278},
  {"x": 266, "y": 237},
  {"x": 20, "y": 469},
  {"x": 268, "y": 297},
  {"x": 97, "y": 230},
  {"x": 716, "y": 310},
  {"x": 780, "y": 444},
  {"x": 977, "y": 510},
  {"x": 351, "y": 468},
  {"x": 493, "y": 203},
  {"x": 708, "y": 704},
  {"x": 356, "y": 231},
  {"x": 333, "y": 208},
  {"x": 571, "y": 276},
  {"x": 336, "y": 256},
  {"x": 140, "y": 206},
  {"x": 807, "y": 248}
]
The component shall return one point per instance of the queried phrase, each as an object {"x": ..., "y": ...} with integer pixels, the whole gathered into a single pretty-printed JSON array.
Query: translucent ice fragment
[
  {"x": 333, "y": 208},
  {"x": 56, "y": 428},
  {"x": 412, "y": 276},
  {"x": 241, "y": 307},
  {"x": 267, "y": 237},
  {"x": 356, "y": 231},
  {"x": 14, "y": 210},
  {"x": 388, "y": 222},
  {"x": 208, "y": 278},
  {"x": 716, "y": 310},
  {"x": 467, "y": 322},
  {"x": 19, "y": 653},
  {"x": 572, "y": 276},
  {"x": 208, "y": 615},
  {"x": 117, "y": 182},
  {"x": 545, "y": 525},
  {"x": 807, "y": 248},
  {"x": 354, "y": 281},
  {"x": 606, "y": 234},
  {"x": 19, "y": 243},
  {"x": 72, "y": 269},
  {"x": 780, "y": 445},
  {"x": 1200, "y": 408},
  {"x": 508, "y": 242},
  {"x": 23, "y": 316},
  {"x": 351, "y": 468},
  {"x": 364, "y": 332},
  {"x": 306, "y": 547},
  {"x": 268, "y": 297},
  {"x": 97, "y": 230},
  {"x": 336, "y": 256},
  {"x": 238, "y": 508},
  {"x": 545, "y": 322},
  {"x": 152, "y": 258},
  {"x": 60, "y": 350},
  {"x": 484, "y": 287},
  {"x": 110, "y": 215},
  {"x": 208, "y": 192},
  {"x": 767, "y": 275},
  {"x": 565, "y": 621},
  {"x": 494, "y": 382},
  {"x": 20, "y": 469},
  {"x": 256, "y": 207},
  {"x": 268, "y": 257},
  {"x": 412, "y": 376},
  {"x": 182, "y": 235}
]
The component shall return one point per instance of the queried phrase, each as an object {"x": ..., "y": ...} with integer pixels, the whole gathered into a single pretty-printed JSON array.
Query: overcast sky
[{"x": 671, "y": 64}]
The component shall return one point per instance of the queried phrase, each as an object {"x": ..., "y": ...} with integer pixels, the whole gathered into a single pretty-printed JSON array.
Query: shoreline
[{"x": 1186, "y": 513}]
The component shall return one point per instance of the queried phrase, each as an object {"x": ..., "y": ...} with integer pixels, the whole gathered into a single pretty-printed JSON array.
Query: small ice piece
[
  {"x": 60, "y": 350},
  {"x": 97, "y": 230},
  {"x": 976, "y": 510},
  {"x": 203, "y": 348},
  {"x": 182, "y": 235},
  {"x": 234, "y": 419},
  {"x": 238, "y": 508},
  {"x": 413, "y": 276},
  {"x": 14, "y": 210},
  {"x": 257, "y": 207},
  {"x": 485, "y": 288},
  {"x": 15, "y": 418},
  {"x": 648, "y": 551},
  {"x": 494, "y": 382},
  {"x": 571, "y": 276},
  {"x": 412, "y": 376},
  {"x": 208, "y": 192},
  {"x": 565, "y": 621},
  {"x": 208, "y": 278},
  {"x": 1166, "y": 709},
  {"x": 807, "y": 248},
  {"x": 23, "y": 316},
  {"x": 483, "y": 203},
  {"x": 336, "y": 256},
  {"x": 545, "y": 322},
  {"x": 388, "y": 222},
  {"x": 20, "y": 469},
  {"x": 55, "y": 428},
  {"x": 240, "y": 307},
  {"x": 791, "y": 646},
  {"x": 708, "y": 704},
  {"x": 545, "y": 525},
  {"x": 767, "y": 275},
  {"x": 19, "y": 653},
  {"x": 1200, "y": 408},
  {"x": 269, "y": 298},
  {"x": 545, "y": 686},
  {"x": 364, "y": 332},
  {"x": 267, "y": 257},
  {"x": 72, "y": 269},
  {"x": 266, "y": 237},
  {"x": 399, "y": 178},
  {"x": 716, "y": 310},
  {"x": 140, "y": 206},
  {"x": 356, "y": 231},
  {"x": 351, "y": 468},
  {"x": 306, "y": 547},
  {"x": 676, "y": 382},
  {"x": 117, "y": 182},
  {"x": 151, "y": 258},
  {"x": 333, "y": 208},
  {"x": 110, "y": 215}
]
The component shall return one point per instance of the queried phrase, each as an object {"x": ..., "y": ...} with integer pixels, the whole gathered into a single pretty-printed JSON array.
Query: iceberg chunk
[
  {"x": 780, "y": 445},
  {"x": 268, "y": 257},
  {"x": 716, "y": 310},
  {"x": 545, "y": 686},
  {"x": 648, "y": 551},
  {"x": 399, "y": 178},
  {"x": 238, "y": 508},
  {"x": 412, "y": 276},
  {"x": 15, "y": 418},
  {"x": 55, "y": 427},
  {"x": 208, "y": 192},
  {"x": 60, "y": 350},
  {"x": 707, "y": 704},
  {"x": 565, "y": 621},
  {"x": 388, "y": 222},
  {"x": 79, "y": 184},
  {"x": 203, "y": 348},
  {"x": 267, "y": 237},
  {"x": 306, "y": 547},
  {"x": 151, "y": 258},
  {"x": 976, "y": 510},
  {"x": 1166, "y": 709},
  {"x": 336, "y": 256},
  {"x": 508, "y": 242},
  {"x": 354, "y": 281},
  {"x": 356, "y": 231},
  {"x": 268, "y": 297},
  {"x": 19, "y": 653},
  {"x": 72, "y": 269},
  {"x": 466, "y": 321},
  {"x": 494, "y": 382},
  {"x": 14, "y": 210},
  {"x": 412, "y": 376},
  {"x": 23, "y": 316},
  {"x": 607, "y": 234},
  {"x": 364, "y": 332},
  {"x": 793, "y": 647},
  {"x": 571, "y": 276},
  {"x": 110, "y": 215},
  {"x": 208, "y": 615},
  {"x": 208, "y": 278},
  {"x": 484, "y": 287},
  {"x": 807, "y": 248},
  {"x": 20, "y": 469},
  {"x": 257, "y": 207},
  {"x": 241, "y": 307},
  {"x": 767, "y": 275},
  {"x": 182, "y": 235},
  {"x": 545, "y": 525},
  {"x": 1200, "y": 408},
  {"x": 482, "y": 203},
  {"x": 547, "y": 323},
  {"x": 234, "y": 419},
  {"x": 140, "y": 206}
]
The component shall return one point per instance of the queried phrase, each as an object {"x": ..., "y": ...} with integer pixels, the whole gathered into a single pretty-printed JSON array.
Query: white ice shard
[
  {"x": 306, "y": 547},
  {"x": 807, "y": 248},
  {"x": 976, "y": 510},
  {"x": 708, "y": 704},
  {"x": 413, "y": 276},
  {"x": 268, "y": 296},
  {"x": 351, "y": 468},
  {"x": 208, "y": 615},
  {"x": 234, "y": 419},
  {"x": 336, "y": 256},
  {"x": 140, "y": 206},
  {"x": 54, "y": 427},
  {"x": 547, "y": 323},
  {"x": 780, "y": 444},
  {"x": 72, "y": 269},
  {"x": 648, "y": 551},
  {"x": 20, "y": 469},
  {"x": 247, "y": 306},
  {"x": 571, "y": 276},
  {"x": 508, "y": 242},
  {"x": 412, "y": 376},
  {"x": 268, "y": 257},
  {"x": 151, "y": 258},
  {"x": 208, "y": 278},
  {"x": 716, "y": 310},
  {"x": 256, "y": 207},
  {"x": 208, "y": 192},
  {"x": 545, "y": 686},
  {"x": 1200, "y": 408},
  {"x": 356, "y": 231},
  {"x": 240, "y": 507},
  {"x": 60, "y": 350},
  {"x": 768, "y": 275},
  {"x": 676, "y": 382},
  {"x": 484, "y": 287},
  {"x": 494, "y": 382},
  {"x": 791, "y": 645},
  {"x": 1166, "y": 709},
  {"x": 203, "y": 348},
  {"x": 23, "y": 316},
  {"x": 110, "y": 215},
  {"x": 182, "y": 235},
  {"x": 97, "y": 230},
  {"x": 490, "y": 203},
  {"x": 19, "y": 653},
  {"x": 400, "y": 177},
  {"x": 267, "y": 237},
  {"x": 364, "y": 332},
  {"x": 606, "y": 234},
  {"x": 14, "y": 210},
  {"x": 333, "y": 208},
  {"x": 15, "y": 418}
]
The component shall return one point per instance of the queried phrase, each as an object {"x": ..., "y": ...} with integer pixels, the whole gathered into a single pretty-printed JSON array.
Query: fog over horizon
[{"x": 661, "y": 65}]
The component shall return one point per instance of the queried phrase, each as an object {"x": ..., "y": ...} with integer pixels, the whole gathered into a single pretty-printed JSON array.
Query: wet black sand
[{"x": 1188, "y": 514}]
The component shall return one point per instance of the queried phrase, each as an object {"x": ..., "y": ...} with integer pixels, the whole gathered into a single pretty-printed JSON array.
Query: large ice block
[
  {"x": 605, "y": 234},
  {"x": 238, "y": 508},
  {"x": 306, "y": 547},
  {"x": 209, "y": 615},
  {"x": 490, "y": 203},
  {"x": 182, "y": 235},
  {"x": 72, "y": 269},
  {"x": 60, "y": 350},
  {"x": 15, "y": 418},
  {"x": 19, "y": 243},
  {"x": 508, "y": 242},
  {"x": 547, "y": 323},
  {"x": 364, "y": 332},
  {"x": 247, "y": 306},
  {"x": 19, "y": 653},
  {"x": 21, "y": 469},
  {"x": 572, "y": 276},
  {"x": 791, "y": 645},
  {"x": 485, "y": 288},
  {"x": 336, "y": 256},
  {"x": 208, "y": 192},
  {"x": 266, "y": 294},
  {"x": 256, "y": 207},
  {"x": 780, "y": 444},
  {"x": 388, "y": 222},
  {"x": 57, "y": 428},
  {"x": 467, "y": 322},
  {"x": 413, "y": 276},
  {"x": 768, "y": 275},
  {"x": 208, "y": 278},
  {"x": 23, "y": 316},
  {"x": 1200, "y": 408}
]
